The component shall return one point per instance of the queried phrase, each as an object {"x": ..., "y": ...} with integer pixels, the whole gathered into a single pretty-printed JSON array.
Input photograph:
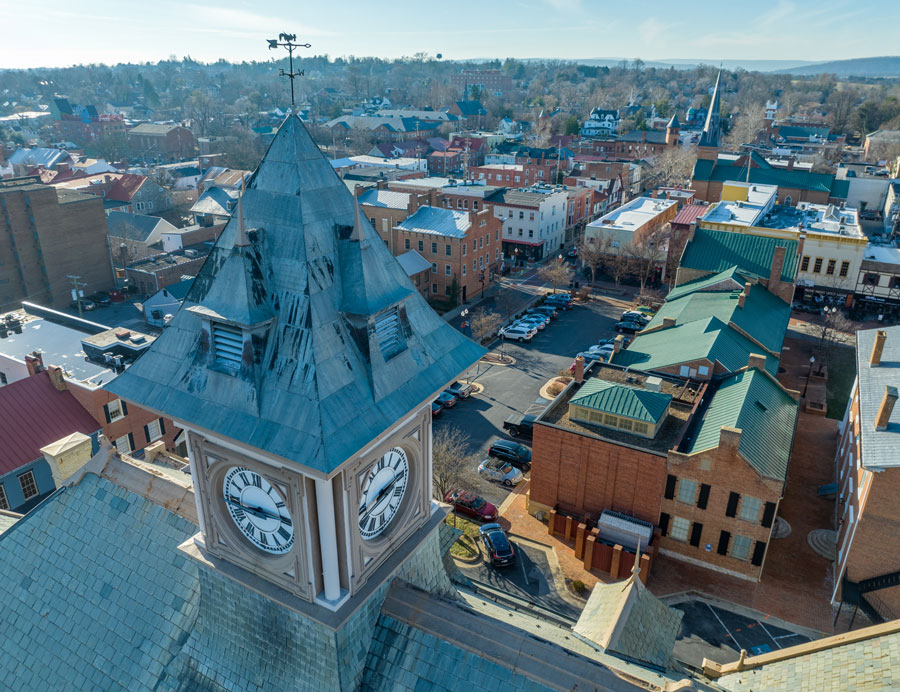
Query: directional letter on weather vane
[{"x": 287, "y": 41}]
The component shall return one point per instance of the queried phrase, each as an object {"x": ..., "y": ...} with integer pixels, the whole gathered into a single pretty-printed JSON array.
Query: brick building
[
  {"x": 867, "y": 472},
  {"x": 463, "y": 248},
  {"x": 444, "y": 162},
  {"x": 386, "y": 208},
  {"x": 152, "y": 142},
  {"x": 151, "y": 274},
  {"x": 514, "y": 175},
  {"x": 49, "y": 234}
]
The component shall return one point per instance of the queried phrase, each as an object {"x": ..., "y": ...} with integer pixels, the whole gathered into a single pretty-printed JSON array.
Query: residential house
[
  {"x": 214, "y": 206},
  {"x": 867, "y": 473},
  {"x": 462, "y": 248},
  {"x": 230, "y": 179},
  {"x": 161, "y": 142},
  {"x": 83, "y": 123},
  {"x": 24, "y": 160},
  {"x": 46, "y": 436},
  {"x": 638, "y": 144},
  {"x": 128, "y": 192},
  {"x": 533, "y": 222},
  {"x": 50, "y": 234},
  {"x": 386, "y": 208},
  {"x": 876, "y": 143},
  {"x": 188, "y": 237},
  {"x": 445, "y": 162},
  {"x": 601, "y": 123},
  {"x": 134, "y": 236},
  {"x": 515, "y": 175}
]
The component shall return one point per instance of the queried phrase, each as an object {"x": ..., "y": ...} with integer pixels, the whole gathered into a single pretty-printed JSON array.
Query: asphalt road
[{"x": 515, "y": 388}]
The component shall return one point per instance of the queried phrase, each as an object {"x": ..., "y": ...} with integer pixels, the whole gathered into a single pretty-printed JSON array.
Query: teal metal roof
[
  {"x": 180, "y": 290},
  {"x": 765, "y": 414},
  {"x": 96, "y": 595},
  {"x": 721, "y": 171},
  {"x": 716, "y": 251},
  {"x": 622, "y": 400},
  {"x": 708, "y": 339},
  {"x": 840, "y": 189},
  {"x": 729, "y": 278}
]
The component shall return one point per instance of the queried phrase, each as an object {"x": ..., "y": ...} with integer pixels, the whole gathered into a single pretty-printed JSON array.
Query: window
[
  {"x": 870, "y": 279},
  {"x": 434, "y": 289},
  {"x": 114, "y": 410},
  {"x": 520, "y": 232},
  {"x": 447, "y": 269},
  {"x": 29, "y": 487},
  {"x": 830, "y": 268},
  {"x": 687, "y": 491},
  {"x": 702, "y": 370},
  {"x": 750, "y": 508},
  {"x": 740, "y": 549},
  {"x": 640, "y": 428},
  {"x": 446, "y": 290},
  {"x": 434, "y": 267},
  {"x": 448, "y": 250},
  {"x": 4, "y": 503},
  {"x": 845, "y": 267},
  {"x": 531, "y": 216},
  {"x": 421, "y": 246},
  {"x": 609, "y": 420},
  {"x": 804, "y": 264},
  {"x": 228, "y": 344},
  {"x": 465, "y": 246},
  {"x": 626, "y": 423},
  {"x": 406, "y": 244},
  {"x": 679, "y": 530},
  {"x": 154, "y": 430},
  {"x": 530, "y": 233},
  {"x": 3, "y": 379},
  {"x": 464, "y": 270},
  {"x": 817, "y": 267},
  {"x": 388, "y": 333},
  {"x": 434, "y": 248},
  {"x": 521, "y": 214}
]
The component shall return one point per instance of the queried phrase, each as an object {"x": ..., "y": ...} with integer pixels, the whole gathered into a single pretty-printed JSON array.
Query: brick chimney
[
  {"x": 579, "y": 369},
  {"x": 877, "y": 348},
  {"x": 886, "y": 408},
  {"x": 757, "y": 361},
  {"x": 790, "y": 162},
  {"x": 729, "y": 438},
  {"x": 668, "y": 322},
  {"x": 777, "y": 266},
  {"x": 744, "y": 294},
  {"x": 56, "y": 377},
  {"x": 618, "y": 343},
  {"x": 34, "y": 363}
]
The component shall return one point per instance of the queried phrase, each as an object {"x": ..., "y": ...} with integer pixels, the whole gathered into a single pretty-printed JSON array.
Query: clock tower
[{"x": 302, "y": 365}]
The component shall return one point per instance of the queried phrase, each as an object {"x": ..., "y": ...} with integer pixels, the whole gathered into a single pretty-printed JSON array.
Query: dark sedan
[
  {"x": 516, "y": 454},
  {"x": 499, "y": 550},
  {"x": 471, "y": 505},
  {"x": 446, "y": 400},
  {"x": 628, "y": 327}
]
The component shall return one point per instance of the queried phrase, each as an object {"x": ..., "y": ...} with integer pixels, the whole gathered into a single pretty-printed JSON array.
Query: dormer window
[
  {"x": 388, "y": 333},
  {"x": 228, "y": 344}
]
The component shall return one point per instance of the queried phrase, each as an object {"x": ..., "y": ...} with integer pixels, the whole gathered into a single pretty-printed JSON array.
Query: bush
[
  {"x": 579, "y": 587},
  {"x": 555, "y": 388}
]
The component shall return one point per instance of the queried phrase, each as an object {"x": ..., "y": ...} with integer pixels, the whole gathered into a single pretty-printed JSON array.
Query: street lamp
[{"x": 812, "y": 361}]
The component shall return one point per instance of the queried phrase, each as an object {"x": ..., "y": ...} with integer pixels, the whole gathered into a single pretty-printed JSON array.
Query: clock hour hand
[
  {"x": 255, "y": 511},
  {"x": 381, "y": 493}
]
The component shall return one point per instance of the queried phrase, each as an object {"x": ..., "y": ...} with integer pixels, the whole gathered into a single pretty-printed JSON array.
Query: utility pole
[{"x": 75, "y": 291}]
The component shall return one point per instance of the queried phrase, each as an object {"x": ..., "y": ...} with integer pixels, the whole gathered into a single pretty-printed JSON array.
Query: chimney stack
[
  {"x": 668, "y": 322},
  {"x": 34, "y": 363},
  {"x": 56, "y": 377},
  {"x": 744, "y": 294},
  {"x": 757, "y": 361},
  {"x": 777, "y": 266},
  {"x": 877, "y": 348},
  {"x": 579, "y": 369},
  {"x": 618, "y": 343},
  {"x": 886, "y": 408}
]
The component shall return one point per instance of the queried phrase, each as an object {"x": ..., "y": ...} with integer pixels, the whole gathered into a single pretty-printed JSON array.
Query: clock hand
[
  {"x": 381, "y": 493},
  {"x": 256, "y": 511}
]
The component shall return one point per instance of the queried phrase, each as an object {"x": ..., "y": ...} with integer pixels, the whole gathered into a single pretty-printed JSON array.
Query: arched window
[{"x": 787, "y": 201}]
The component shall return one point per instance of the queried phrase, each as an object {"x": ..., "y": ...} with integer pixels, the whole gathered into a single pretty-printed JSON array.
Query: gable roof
[
  {"x": 715, "y": 251},
  {"x": 413, "y": 263},
  {"x": 764, "y": 412},
  {"x": 139, "y": 227},
  {"x": 179, "y": 290},
  {"x": 126, "y": 187},
  {"x": 729, "y": 279},
  {"x": 314, "y": 283},
  {"x": 437, "y": 221},
  {"x": 470, "y": 108},
  {"x": 34, "y": 414},
  {"x": 622, "y": 400},
  {"x": 387, "y": 199},
  {"x": 153, "y": 129},
  {"x": 218, "y": 201}
]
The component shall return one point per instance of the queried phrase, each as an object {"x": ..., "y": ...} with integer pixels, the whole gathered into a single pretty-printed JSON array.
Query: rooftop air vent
[
  {"x": 228, "y": 344},
  {"x": 388, "y": 333}
]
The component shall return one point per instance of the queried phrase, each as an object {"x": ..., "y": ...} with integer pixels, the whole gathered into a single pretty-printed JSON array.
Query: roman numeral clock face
[
  {"x": 258, "y": 510},
  {"x": 382, "y": 493}
]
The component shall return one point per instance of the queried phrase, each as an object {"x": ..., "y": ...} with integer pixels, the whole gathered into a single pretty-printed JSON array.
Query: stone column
[{"x": 331, "y": 576}]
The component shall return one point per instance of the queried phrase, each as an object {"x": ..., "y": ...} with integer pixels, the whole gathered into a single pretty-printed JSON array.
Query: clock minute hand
[
  {"x": 381, "y": 493},
  {"x": 256, "y": 511}
]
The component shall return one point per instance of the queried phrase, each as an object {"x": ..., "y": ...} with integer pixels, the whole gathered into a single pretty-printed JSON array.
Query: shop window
[{"x": 870, "y": 279}]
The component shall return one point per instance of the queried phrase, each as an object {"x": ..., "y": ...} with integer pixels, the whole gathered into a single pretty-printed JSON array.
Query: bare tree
[
  {"x": 675, "y": 165},
  {"x": 841, "y": 103},
  {"x": 451, "y": 461},
  {"x": 747, "y": 127},
  {"x": 591, "y": 251},
  {"x": 646, "y": 253},
  {"x": 485, "y": 324},
  {"x": 835, "y": 331},
  {"x": 554, "y": 272}
]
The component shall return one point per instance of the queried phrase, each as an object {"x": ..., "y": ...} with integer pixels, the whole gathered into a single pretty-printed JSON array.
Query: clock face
[
  {"x": 258, "y": 510},
  {"x": 382, "y": 493}
]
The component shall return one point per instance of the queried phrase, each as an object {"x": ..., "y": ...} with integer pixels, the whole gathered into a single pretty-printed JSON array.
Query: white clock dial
[
  {"x": 258, "y": 510},
  {"x": 382, "y": 493}
]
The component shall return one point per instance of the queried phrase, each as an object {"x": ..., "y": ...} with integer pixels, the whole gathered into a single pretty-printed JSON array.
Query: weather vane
[{"x": 287, "y": 41}]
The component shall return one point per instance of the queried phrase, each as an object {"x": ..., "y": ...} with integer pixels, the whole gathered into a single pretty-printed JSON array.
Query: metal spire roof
[
  {"x": 712, "y": 130},
  {"x": 337, "y": 343}
]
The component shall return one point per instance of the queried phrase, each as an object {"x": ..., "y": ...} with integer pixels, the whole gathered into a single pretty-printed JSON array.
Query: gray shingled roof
[
  {"x": 318, "y": 365},
  {"x": 216, "y": 200},
  {"x": 137, "y": 227},
  {"x": 880, "y": 448}
]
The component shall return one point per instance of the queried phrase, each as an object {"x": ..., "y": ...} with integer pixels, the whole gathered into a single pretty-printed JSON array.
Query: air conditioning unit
[{"x": 191, "y": 253}]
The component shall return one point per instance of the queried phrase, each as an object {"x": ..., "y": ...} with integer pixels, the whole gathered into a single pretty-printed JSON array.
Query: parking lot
[{"x": 515, "y": 388}]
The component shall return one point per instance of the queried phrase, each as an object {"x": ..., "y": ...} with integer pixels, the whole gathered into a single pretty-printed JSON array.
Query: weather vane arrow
[{"x": 288, "y": 41}]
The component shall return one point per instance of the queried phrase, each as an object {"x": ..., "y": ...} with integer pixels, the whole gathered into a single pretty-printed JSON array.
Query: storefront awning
[{"x": 523, "y": 242}]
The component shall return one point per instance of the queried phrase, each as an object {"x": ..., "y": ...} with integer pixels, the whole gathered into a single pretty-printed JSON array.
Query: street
[{"x": 515, "y": 388}]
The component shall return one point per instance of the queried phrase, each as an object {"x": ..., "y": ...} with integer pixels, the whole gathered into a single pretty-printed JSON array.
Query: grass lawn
[
  {"x": 467, "y": 544},
  {"x": 841, "y": 373}
]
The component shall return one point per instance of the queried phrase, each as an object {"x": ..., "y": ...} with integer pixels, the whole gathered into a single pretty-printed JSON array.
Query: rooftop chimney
[
  {"x": 886, "y": 408},
  {"x": 777, "y": 266},
  {"x": 618, "y": 343},
  {"x": 744, "y": 294},
  {"x": 757, "y": 361},
  {"x": 668, "y": 322},
  {"x": 877, "y": 348},
  {"x": 34, "y": 363},
  {"x": 579, "y": 369},
  {"x": 56, "y": 377}
]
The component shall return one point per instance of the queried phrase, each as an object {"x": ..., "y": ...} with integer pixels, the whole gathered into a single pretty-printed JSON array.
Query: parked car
[
  {"x": 634, "y": 316},
  {"x": 573, "y": 252},
  {"x": 436, "y": 409},
  {"x": 548, "y": 310},
  {"x": 516, "y": 454},
  {"x": 499, "y": 550},
  {"x": 588, "y": 356},
  {"x": 559, "y": 300},
  {"x": 519, "y": 332},
  {"x": 519, "y": 426},
  {"x": 500, "y": 471},
  {"x": 101, "y": 298},
  {"x": 461, "y": 390},
  {"x": 629, "y": 327},
  {"x": 471, "y": 505},
  {"x": 646, "y": 310},
  {"x": 446, "y": 400},
  {"x": 534, "y": 320},
  {"x": 86, "y": 304}
]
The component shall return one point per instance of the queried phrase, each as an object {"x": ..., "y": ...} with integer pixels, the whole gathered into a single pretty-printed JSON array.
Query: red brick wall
[{"x": 584, "y": 475}]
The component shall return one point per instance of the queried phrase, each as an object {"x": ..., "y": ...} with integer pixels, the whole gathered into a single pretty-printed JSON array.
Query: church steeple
[{"x": 711, "y": 138}]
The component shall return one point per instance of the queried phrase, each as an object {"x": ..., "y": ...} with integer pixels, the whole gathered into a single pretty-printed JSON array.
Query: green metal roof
[
  {"x": 721, "y": 171},
  {"x": 765, "y": 414},
  {"x": 705, "y": 282},
  {"x": 840, "y": 189},
  {"x": 708, "y": 339},
  {"x": 716, "y": 251},
  {"x": 622, "y": 400}
]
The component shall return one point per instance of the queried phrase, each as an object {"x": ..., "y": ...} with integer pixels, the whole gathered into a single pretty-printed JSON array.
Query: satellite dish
[{"x": 439, "y": 56}]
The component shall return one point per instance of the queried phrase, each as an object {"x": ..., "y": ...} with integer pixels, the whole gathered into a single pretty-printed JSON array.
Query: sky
[{"x": 54, "y": 33}]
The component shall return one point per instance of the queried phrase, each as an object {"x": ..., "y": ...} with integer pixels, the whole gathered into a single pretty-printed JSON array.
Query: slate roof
[
  {"x": 626, "y": 618},
  {"x": 385, "y": 198},
  {"x": 715, "y": 251},
  {"x": 437, "y": 221},
  {"x": 8, "y": 520},
  {"x": 765, "y": 413},
  {"x": 215, "y": 200},
  {"x": 880, "y": 448},
  {"x": 85, "y": 605},
  {"x": 138, "y": 227},
  {"x": 622, "y": 400},
  {"x": 470, "y": 108},
  {"x": 33, "y": 414},
  {"x": 314, "y": 282}
]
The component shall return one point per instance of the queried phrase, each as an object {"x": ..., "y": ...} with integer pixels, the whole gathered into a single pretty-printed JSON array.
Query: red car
[
  {"x": 471, "y": 505},
  {"x": 436, "y": 408}
]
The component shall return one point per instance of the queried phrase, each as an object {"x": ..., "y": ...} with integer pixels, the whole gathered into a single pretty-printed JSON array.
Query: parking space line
[
  {"x": 524, "y": 575},
  {"x": 728, "y": 631}
]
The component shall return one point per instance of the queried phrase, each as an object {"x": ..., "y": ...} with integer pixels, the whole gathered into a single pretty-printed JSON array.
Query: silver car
[
  {"x": 500, "y": 471},
  {"x": 519, "y": 332}
]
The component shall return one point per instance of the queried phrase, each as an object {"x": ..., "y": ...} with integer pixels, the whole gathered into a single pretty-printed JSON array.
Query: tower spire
[
  {"x": 357, "y": 233},
  {"x": 712, "y": 130},
  {"x": 242, "y": 240}
]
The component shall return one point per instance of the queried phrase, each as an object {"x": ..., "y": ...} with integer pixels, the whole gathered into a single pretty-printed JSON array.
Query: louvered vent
[
  {"x": 388, "y": 333},
  {"x": 228, "y": 344}
]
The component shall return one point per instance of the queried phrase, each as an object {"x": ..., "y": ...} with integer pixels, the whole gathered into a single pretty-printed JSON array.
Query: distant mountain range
[{"x": 887, "y": 66}]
